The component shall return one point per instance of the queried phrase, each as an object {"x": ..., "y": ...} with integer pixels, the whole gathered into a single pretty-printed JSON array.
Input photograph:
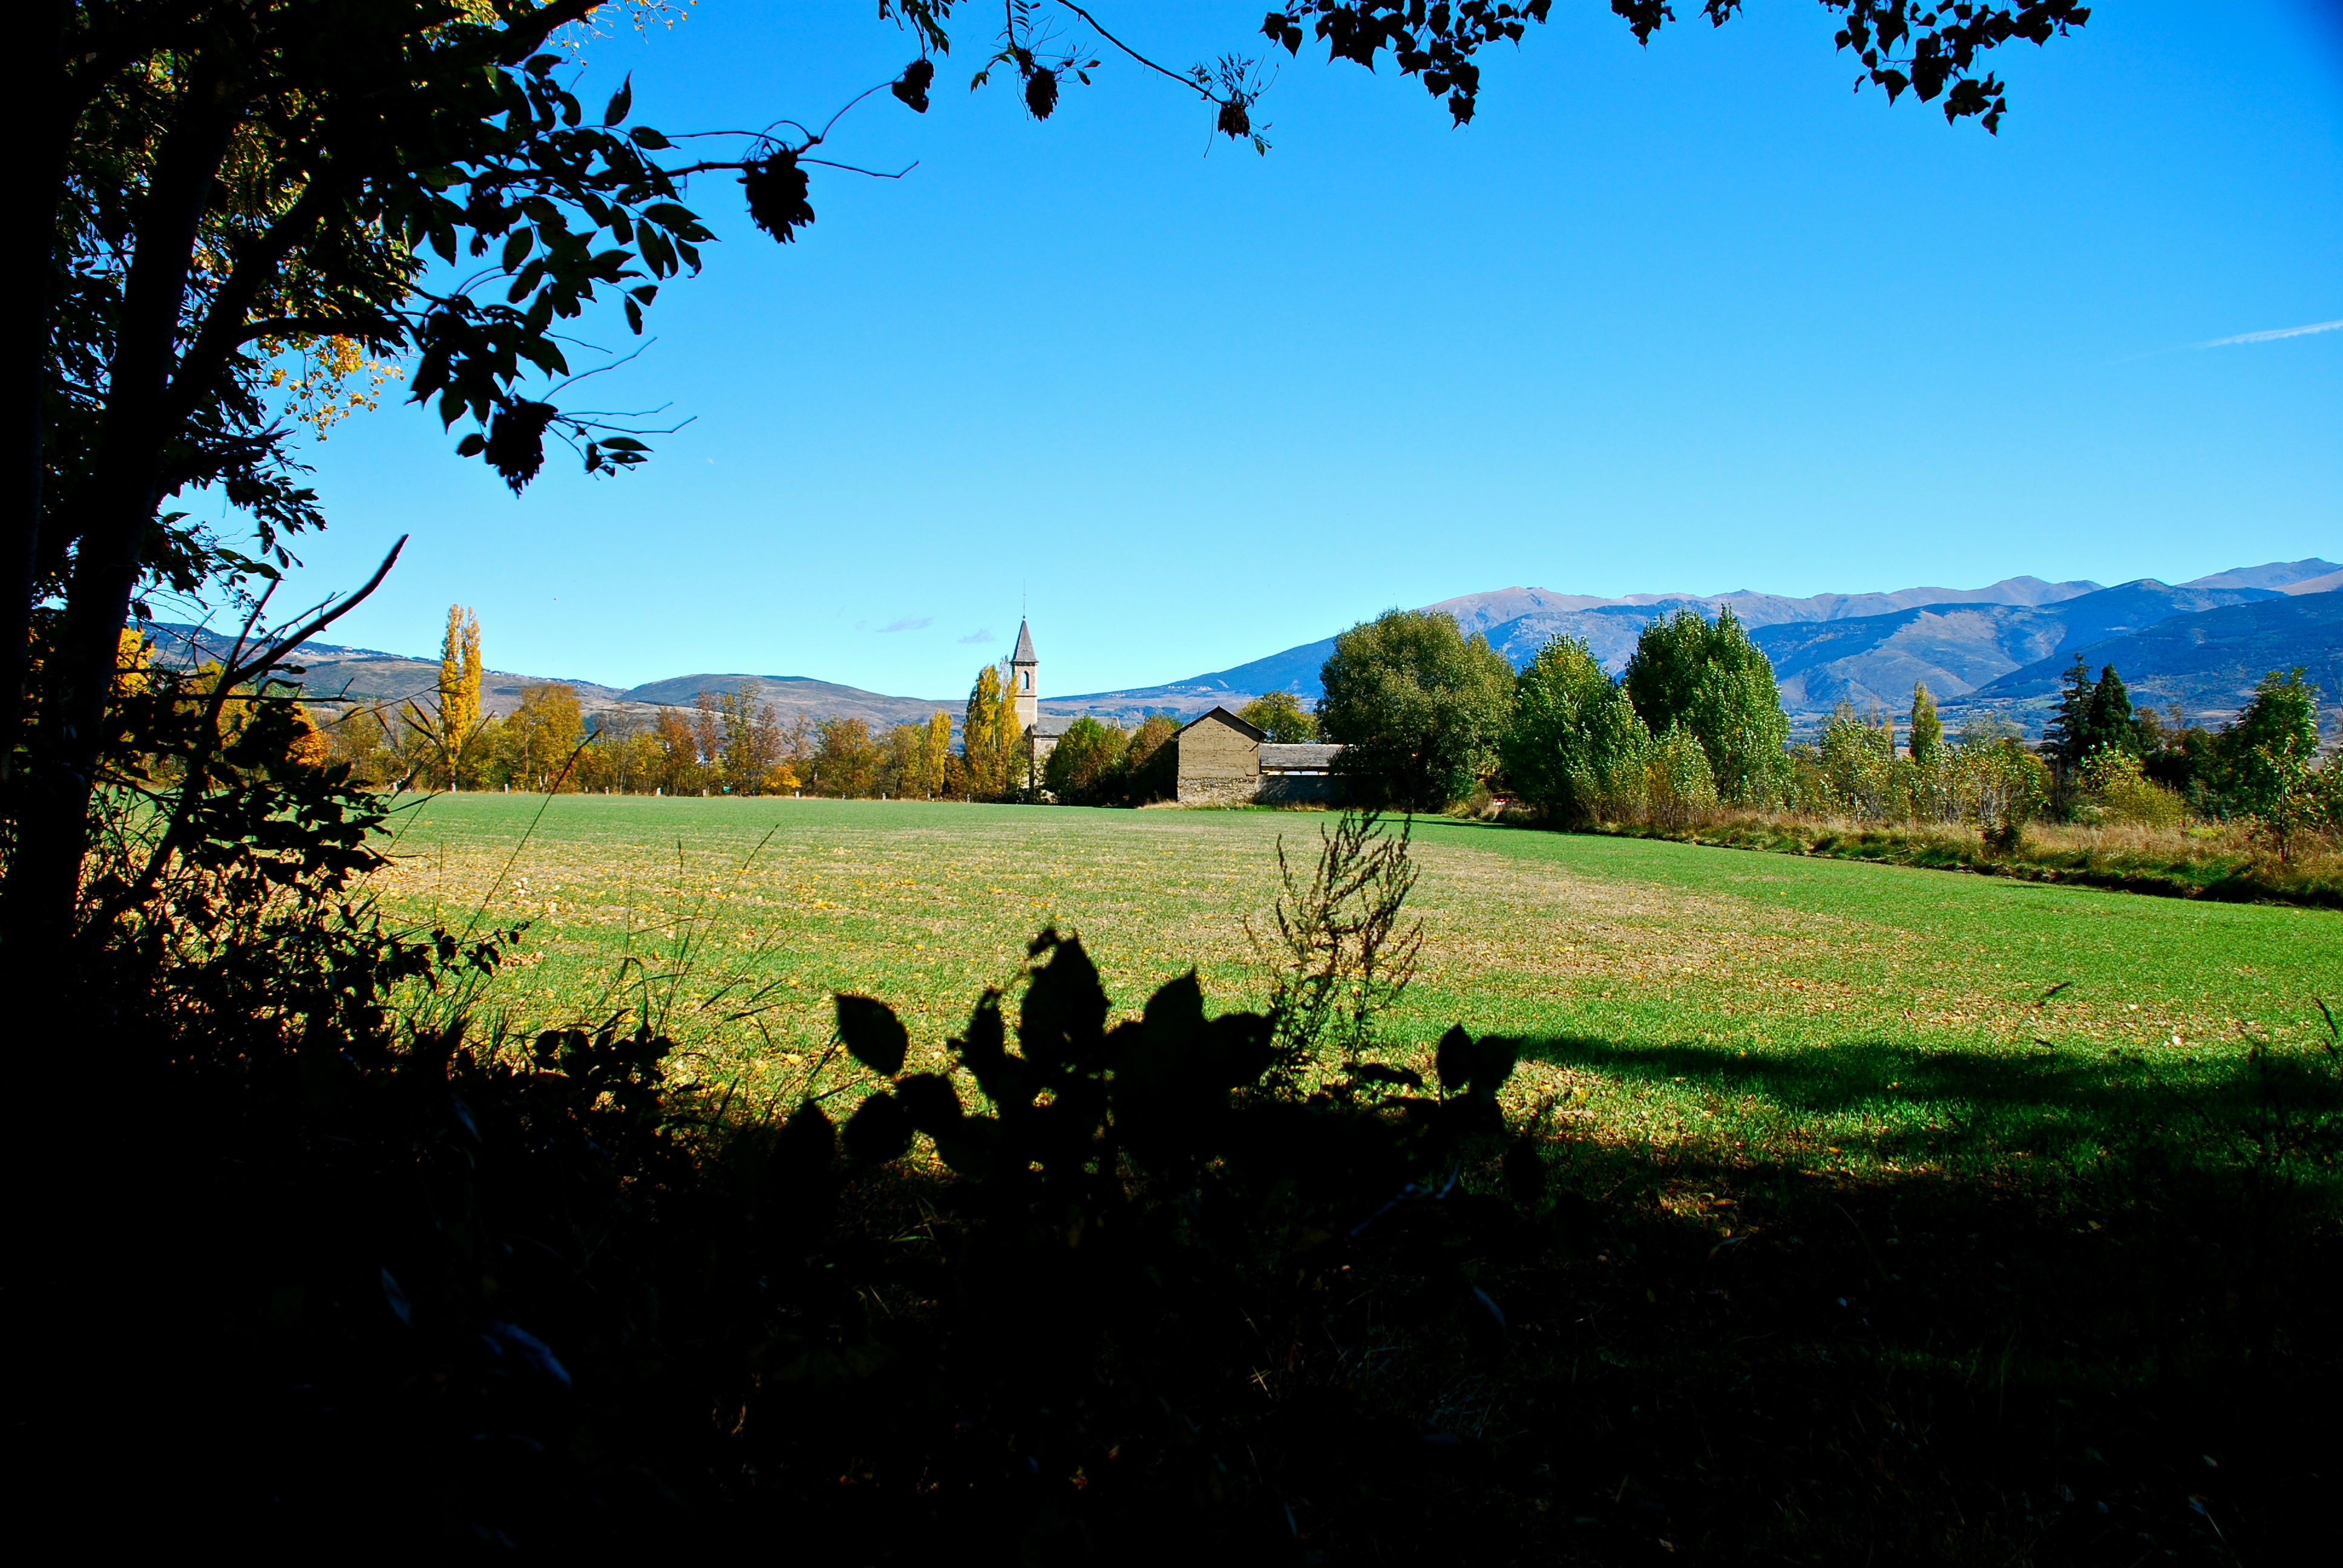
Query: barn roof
[
  {"x": 1225, "y": 717},
  {"x": 1299, "y": 754}
]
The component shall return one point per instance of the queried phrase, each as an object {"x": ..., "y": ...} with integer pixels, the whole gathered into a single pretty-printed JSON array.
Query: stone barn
[{"x": 1222, "y": 761}]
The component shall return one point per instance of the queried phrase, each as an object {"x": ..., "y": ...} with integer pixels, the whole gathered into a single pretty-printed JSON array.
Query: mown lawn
[{"x": 1670, "y": 995}]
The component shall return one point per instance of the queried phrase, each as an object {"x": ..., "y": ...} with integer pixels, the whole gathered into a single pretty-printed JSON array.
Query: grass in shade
[
  {"x": 1892, "y": 1214},
  {"x": 1670, "y": 997}
]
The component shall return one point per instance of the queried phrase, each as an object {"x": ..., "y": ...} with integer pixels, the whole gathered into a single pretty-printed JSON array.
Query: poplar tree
[
  {"x": 1927, "y": 730},
  {"x": 1008, "y": 741},
  {"x": 935, "y": 747},
  {"x": 1708, "y": 678},
  {"x": 1575, "y": 745},
  {"x": 460, "y": 689},
  {"x": 989, "y": 713}
]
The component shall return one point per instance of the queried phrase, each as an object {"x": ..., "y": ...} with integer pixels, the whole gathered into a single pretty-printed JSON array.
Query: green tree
[
  {"x": 1707, "y": 677},
  {"x": 1678, "y": 787},
  {"x": 1927, "y": 730},
  {"x": 1280, "y": 716},
  {"x": 747, "y": 748},
  {"x": 2065, "y": 739},
  {"x": 1419, "y": 707},
  {"x": 935, "y": 754},
  {"x": 2107, "y": 718},
  {"x": 2264, "y": 758},
  {"x": 1575, "y": 747},
  {"x": 1858, "y": 765},
  {"x": 1083, "y": 767}
]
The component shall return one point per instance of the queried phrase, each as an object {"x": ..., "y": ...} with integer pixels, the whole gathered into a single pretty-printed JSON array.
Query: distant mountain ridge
[
  {"x": 1867, "y": 649},
  {"x": 1995, "y": 650},
  {"x": 2205, "y": 661}
]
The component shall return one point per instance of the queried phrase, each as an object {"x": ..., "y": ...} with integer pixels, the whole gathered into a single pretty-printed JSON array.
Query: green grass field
[{"x": 1708, "y": 1001}]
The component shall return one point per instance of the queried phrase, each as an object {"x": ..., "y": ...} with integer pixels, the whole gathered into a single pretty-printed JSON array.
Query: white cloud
[
  {"x": 909, "y": 623},
  {"x": 2273, "y": 335},
  {"x": 979, "y": 637}
]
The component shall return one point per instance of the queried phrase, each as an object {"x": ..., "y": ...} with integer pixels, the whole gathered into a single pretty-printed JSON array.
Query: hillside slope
[
  {"x": 2207, "y": 662},
  {"x": 1874, "y": 660},
  {"x": 791, "y": 695},
  {"x": 1981, "y": 648},
  {"x": 329, "y": 672}
]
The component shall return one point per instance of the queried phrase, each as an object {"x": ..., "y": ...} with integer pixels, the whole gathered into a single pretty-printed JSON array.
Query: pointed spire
[{"x": 1024, "y": 653}]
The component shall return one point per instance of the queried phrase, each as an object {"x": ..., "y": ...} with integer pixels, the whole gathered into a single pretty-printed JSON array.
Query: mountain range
[
  {"x": 1869, "y": 648},
  {"x": 1997, "y": 650}
]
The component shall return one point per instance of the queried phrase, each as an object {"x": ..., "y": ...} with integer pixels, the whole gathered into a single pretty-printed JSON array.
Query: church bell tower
[{"x": 1022, "y": 668}]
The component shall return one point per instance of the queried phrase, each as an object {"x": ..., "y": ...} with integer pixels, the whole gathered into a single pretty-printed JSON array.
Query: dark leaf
[
  {"x": 878, "y": 1131},
  {"x": 620, "y": 101},
  {"x": 512, "y": 1343},
  {"x": 930, "y": 1100},
  {"x": 1452, "y": 1060},
  {"x": 806, "y": 1147},
  {"x": 873, "y": 1033}
]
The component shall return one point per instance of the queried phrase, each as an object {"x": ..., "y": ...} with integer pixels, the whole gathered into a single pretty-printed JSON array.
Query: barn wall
[{"x": 1211, "y": 749}]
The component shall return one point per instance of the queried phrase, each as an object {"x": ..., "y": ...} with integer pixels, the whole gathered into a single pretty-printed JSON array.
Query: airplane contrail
[{"x": 2273, "y": 335}]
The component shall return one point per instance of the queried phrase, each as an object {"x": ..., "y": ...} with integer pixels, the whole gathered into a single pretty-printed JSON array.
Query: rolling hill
[
  {"x": 332, "y": 673},
  {"x": 1997, "y": 649}
]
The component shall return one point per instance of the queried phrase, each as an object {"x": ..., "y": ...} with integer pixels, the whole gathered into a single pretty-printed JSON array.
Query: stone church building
[{"x": 1220, "y": 760}]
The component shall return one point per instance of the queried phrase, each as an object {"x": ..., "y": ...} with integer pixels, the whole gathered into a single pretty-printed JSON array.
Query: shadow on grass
[
  {"x": 2118, "y": 1356},
  {"x": 2267, "y": 1107}
]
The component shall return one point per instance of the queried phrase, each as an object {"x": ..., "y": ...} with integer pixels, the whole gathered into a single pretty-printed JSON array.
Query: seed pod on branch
[
  {"x": 776, "y": 195},
  {"x": 515, "y": 444}
]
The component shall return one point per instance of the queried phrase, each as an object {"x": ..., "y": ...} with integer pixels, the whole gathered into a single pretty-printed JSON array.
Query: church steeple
[{"x": 1022, "y": 668}]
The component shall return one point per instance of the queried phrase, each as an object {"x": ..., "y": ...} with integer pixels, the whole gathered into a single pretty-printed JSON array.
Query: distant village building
[
  {"x": 1220, "y": 760},
  {"x": 1041, "y": 731}
]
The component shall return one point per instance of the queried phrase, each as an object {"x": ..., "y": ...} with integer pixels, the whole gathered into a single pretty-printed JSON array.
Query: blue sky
[{"x": 1691, "y": 318}]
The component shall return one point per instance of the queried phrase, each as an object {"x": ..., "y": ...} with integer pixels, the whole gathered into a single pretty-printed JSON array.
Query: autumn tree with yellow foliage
[
  {"x": 990, "y": 740},
  {"x": 457, "y": 720}
]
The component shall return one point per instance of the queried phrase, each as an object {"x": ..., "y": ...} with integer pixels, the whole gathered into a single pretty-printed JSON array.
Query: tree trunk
[
  {"x": 23, "y": 367},
  {"x": 38, "y": 904}
]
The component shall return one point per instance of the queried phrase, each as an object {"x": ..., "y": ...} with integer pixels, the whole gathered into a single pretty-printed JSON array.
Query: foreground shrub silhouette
[{"x": 444, "y": 1288}]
